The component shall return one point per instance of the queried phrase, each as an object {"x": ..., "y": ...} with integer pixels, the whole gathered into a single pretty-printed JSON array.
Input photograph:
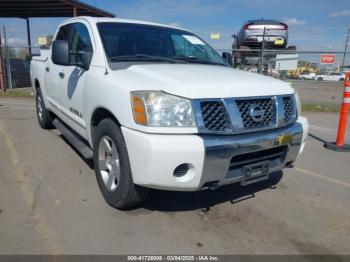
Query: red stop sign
[{"x": 327, "y": 59}]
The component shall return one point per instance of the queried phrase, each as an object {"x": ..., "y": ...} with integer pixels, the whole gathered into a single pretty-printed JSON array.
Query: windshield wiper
[
  {"x": 144, "y": 57},
  {"x": 194, "y": 59}
]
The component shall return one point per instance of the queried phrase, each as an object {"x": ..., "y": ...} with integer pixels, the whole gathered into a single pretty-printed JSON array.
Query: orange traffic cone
[{"x": 340, "y": 145}]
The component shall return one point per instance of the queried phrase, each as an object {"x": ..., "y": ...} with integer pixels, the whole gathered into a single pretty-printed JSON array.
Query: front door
[
  {"x": 66, "y": 86},
  {"x": 54, "y": 75},
  {"x": 75, "y": 76}
]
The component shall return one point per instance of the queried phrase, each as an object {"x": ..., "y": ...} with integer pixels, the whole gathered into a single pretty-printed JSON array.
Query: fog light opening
[{"x": 181, "y": 170}]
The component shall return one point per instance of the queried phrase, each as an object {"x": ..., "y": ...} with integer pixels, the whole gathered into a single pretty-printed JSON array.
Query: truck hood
[{"x": 203, "y": 81}]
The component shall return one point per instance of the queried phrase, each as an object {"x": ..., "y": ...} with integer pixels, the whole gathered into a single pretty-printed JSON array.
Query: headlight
[
  {"x": 158, "y": 109},
  {"x": 298, "y": 102}
]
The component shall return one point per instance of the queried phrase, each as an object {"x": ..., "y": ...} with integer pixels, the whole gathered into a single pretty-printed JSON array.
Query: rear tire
[
  {"x": 44, "y": 116},
  {"x": 341, "y": 79},
  {"x": 112, "y": 167},
  {"x": 320, "y": 79}
]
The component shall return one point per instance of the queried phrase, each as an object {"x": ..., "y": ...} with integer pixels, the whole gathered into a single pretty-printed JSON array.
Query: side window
[
  {"x": 63, "y": 33},
  {"x": 80, "y": 42}
]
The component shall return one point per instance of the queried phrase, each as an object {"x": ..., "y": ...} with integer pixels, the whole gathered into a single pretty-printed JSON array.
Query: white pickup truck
[{"x": 157, "y": 107}]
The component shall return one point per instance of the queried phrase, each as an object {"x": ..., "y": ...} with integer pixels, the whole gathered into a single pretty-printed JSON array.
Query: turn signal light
[{"x": 139, "y": 111}]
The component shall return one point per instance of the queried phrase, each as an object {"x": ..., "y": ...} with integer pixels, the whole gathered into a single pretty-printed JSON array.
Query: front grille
[
  {"x": 288, "y": 108},
  {"x": 247, "y": 114},
  {"x": 267, "y": 105},
  {"x": 214, "y": 115}
]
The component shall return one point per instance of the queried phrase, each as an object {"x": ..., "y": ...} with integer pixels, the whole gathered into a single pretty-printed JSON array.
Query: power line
[{"x": 346, "y": 48}]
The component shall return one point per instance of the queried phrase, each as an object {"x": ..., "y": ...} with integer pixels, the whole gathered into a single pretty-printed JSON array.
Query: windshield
[{"x": 124, "y": 42}]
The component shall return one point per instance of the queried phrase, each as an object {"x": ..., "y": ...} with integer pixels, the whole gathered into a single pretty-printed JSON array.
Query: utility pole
[
  {"x": 8, "y": 62},
  {"x": 28, "y": 37},
  {"x": 346, "y": 48},
  {"x": 261, "y": 62},
  {"x": 2, "y": 69}
]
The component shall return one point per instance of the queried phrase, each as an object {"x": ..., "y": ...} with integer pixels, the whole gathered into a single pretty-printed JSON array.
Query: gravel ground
[{"x": 50, "y": 202}]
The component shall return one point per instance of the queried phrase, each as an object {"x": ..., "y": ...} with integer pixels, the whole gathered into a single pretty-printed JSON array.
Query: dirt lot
[
  {"x": 319, "y": 91},
  {"x": 50, "y": 202}
]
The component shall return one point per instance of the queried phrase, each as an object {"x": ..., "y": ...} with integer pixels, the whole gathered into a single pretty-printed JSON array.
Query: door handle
[
  {"x": 47, "y": 69},
  {"x": 61, "y": 74}
]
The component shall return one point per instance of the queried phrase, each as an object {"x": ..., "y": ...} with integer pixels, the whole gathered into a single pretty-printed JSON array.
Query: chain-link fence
[
  {"x": 283, "y": 64},
  {"x": 15, "y": 66},
  {"x": 291, "y": 63}
]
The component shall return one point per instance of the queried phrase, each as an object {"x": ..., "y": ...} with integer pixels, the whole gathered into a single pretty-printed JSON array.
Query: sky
[{"x": 313, "y": 24}]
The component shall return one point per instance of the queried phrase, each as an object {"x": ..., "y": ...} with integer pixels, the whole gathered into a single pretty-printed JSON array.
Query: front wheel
[
  {"x": 44, "y": 116},
  {"x": 341, "y": 79},
  {"x": 320, "y": 79},
  {"x": 112, "y": 167}
]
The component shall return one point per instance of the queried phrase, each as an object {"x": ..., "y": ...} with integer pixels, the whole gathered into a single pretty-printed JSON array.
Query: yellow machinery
[{"x": 302, "y": 69}]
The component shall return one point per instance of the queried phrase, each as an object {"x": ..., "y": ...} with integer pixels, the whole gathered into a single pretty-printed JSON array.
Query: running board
[{"x": 73, "y": 139}]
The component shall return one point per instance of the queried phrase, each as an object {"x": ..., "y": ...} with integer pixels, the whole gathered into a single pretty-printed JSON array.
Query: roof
[
  {"x": 49, "y": 8},
  {"x": 121, "y": 20}
]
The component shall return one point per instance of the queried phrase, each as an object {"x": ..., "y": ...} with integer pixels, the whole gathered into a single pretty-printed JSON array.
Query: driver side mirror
[
  {"x": 60, "y": 55},
  {"x": 234, "y": 36},
  {"x": 228, "y": 58}
]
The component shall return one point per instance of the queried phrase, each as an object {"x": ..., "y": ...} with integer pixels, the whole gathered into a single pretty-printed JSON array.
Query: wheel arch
[
  {"x": 97, "y": 116},
  {"x": 36, "y": 85}
]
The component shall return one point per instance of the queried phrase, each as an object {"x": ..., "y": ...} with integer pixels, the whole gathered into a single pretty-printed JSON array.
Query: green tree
[
  {"x": 49, "y": 39},
  {"x": 22, "y": 53},
  {"x": 10, "y": 53}
]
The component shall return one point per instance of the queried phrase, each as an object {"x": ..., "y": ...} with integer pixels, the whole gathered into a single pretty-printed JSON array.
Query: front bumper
[{"x": 211, "y": 158}]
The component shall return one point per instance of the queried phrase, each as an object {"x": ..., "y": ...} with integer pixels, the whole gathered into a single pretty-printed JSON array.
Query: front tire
[
  {"x": 112, "y": 167},
  {"x": 44, "y": 116}
]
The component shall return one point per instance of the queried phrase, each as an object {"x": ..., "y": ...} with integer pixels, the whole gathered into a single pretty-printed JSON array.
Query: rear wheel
[
  {"x": 44, "y": 116},
  {"x": 112, "y": 167},
  {"x": 341, "y": 79},
  {"x": 320, "y": 79}
]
